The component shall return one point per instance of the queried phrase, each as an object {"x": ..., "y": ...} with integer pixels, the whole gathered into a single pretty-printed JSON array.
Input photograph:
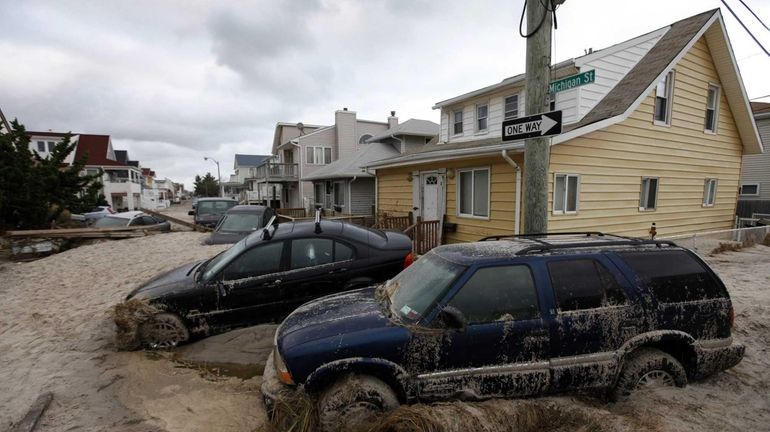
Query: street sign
[
  {"x": 538, "y": 125},
  {"x": 572, "y": 81}
]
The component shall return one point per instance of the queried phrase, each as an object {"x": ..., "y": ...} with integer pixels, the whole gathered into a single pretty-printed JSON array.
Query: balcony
[{"x": 275, "y": 172}]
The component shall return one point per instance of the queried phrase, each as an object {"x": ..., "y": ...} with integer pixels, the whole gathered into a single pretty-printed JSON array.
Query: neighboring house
[
  {"x": 43, "y": 143},
  {"x": 657, "y": 138},
  {"x": 300, "y": 150},
  {"x": 122, "y": 181},
  {"x": 754, "y": 189},
  {"x": 242, "y": 181},
  {"x": 344, "y": 187}
]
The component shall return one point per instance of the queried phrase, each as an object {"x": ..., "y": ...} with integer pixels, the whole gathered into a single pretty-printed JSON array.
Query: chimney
[
  {"x": 392, "y": 120},
  {"x": 347, "y": 139}
]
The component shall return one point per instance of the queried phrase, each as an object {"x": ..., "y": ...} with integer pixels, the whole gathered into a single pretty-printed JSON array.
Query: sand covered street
[{"x": 56, "y": 335}]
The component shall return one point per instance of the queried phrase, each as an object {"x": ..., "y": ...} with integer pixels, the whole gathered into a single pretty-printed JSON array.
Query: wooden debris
[
  {"x": 177, "y": 221},
  {"x": 29, "y": 422}
]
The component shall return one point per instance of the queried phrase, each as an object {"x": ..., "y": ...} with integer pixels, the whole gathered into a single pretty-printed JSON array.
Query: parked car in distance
[
  {"x": 238, "y": 222},
  {"x": 208, "y": 211},
  {"x": 131, "y": 219},
  {"x": 263, "y": 277},
  {"x": 95, "y": 213},
  {"x": 513, "y": 317}
]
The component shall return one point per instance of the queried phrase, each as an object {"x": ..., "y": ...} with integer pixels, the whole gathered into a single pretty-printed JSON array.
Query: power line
[
  {"x": 746, "y": 28},
  {"x": 755, "y": 15}
]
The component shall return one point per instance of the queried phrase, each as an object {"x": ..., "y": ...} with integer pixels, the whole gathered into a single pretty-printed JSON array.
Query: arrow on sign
[{"x": 537, "y": 125}]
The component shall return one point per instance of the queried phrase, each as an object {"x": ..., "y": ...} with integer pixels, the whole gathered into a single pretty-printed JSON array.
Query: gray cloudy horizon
[{"x": 174, "y": 81}]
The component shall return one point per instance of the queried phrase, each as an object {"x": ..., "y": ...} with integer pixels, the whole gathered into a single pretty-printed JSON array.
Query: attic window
[
  {"x": 712, "y": 108},
  {"x": 363, "y": 138},
  {"x": 663, "y": 93}
]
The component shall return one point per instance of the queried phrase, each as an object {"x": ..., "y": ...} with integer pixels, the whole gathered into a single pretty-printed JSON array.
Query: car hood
[
  {"x": 226, "y": 237},
  {"x": 352, "y": 311},
  {"x": 180, "y": 278}
]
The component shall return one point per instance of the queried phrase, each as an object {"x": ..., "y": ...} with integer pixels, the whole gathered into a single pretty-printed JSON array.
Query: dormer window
[
  {"x": 482, "y": 114},
  {"x": 41, "y": 146},
  {"x": 511, "y": 107},
  {"x": 457, "y": 124},
  {"x": 363, "y": 138},
  {"x": 663, "y": 98}
]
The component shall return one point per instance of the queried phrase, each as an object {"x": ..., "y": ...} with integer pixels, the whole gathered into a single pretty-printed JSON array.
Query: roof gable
[
  {"x": 98, "y": 149},
  {"x": 412, "y": 127}
]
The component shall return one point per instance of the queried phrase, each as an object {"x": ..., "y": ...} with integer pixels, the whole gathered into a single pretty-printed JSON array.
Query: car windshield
[
  {"x": 215, "y": 206},
  {"x": 415, "y": 290},
  {"x": 224, "y": 258},
  {"x": 111, "y": 222},
  {"x": 239, "y": 222}
]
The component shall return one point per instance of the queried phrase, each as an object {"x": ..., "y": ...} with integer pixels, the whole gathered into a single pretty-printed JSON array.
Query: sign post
[{"x": 538, "y": 125}]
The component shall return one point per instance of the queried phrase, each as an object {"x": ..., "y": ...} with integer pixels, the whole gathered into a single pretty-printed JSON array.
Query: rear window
[
  {"x": 584, "y": 284},
  {"x": 215, "y": 206},
  {"x": 674, "y": 276}
]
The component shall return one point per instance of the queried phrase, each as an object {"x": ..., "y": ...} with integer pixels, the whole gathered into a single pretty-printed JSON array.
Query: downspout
[
  {"x": 350, "y": 194},
  {"x": 517, "y": 210}
]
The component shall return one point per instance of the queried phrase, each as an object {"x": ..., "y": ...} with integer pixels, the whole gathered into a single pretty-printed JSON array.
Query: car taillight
[
  {"x": 408, "y": 260},
  {"x": 731, "y": 317}
]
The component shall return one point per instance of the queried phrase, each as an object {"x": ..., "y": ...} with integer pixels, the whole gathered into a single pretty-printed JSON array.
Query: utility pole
[{"x": 537, "y": 151}]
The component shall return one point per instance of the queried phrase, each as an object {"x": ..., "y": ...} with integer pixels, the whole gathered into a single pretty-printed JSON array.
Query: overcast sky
[{"x": 173, "y": 81}]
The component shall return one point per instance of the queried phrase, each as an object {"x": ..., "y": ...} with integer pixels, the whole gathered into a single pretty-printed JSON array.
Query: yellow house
[{"x": 656, "y": 137}]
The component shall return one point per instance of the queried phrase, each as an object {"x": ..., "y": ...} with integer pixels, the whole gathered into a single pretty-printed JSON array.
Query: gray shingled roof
[
  {"x": 250, "y": 160},
  {"x": 350, "y": 165},
  {"x": 638, "y": 79},
  {"x": 414, "y": 127}
]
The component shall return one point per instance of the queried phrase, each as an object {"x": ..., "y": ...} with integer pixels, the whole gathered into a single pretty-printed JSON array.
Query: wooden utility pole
[{"x": 537, "y": 150}]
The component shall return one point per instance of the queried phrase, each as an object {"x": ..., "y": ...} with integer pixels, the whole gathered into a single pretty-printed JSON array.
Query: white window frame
[
  {"x": 454, "y": 122},
  {"x": 473, "y": 191},
  {"x": 740, "y": 189},
  {"x": 706, "y": 192},
  {"x": 479, "y": 130},
  {"x": 315, "y": 151},
  {"x": 566, "y": 194},
  {"x": 644, "y": 192},
  {"x": 717, "y": 94},
  {"x": 505, "y": 113},
  {"x": 668, "y": 95}
]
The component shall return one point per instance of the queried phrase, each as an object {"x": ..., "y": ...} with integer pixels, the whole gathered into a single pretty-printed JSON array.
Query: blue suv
[{"x": 509, "y": 317}]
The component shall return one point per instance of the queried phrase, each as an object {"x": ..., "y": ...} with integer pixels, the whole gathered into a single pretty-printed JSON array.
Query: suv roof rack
[
  {"x": 585, "y": 233},
  {"x": 544, "y": 246}
]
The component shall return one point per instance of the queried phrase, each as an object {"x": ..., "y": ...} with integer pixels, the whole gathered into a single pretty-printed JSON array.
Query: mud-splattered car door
[
  {"x": 592, "y": 318},
  {"x": 503, "y": 349}
]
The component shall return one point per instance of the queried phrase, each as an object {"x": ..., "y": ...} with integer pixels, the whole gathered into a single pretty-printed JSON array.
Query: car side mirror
[
  {"x": 190, "y": 213},
  {"x": 452, "y": 318}
]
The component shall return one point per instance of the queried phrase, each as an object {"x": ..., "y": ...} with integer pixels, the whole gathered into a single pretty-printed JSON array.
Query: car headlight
[{"x": 283, "y": 373}]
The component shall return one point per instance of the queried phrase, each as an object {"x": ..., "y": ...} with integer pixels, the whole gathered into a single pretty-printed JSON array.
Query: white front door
[{"x": 431, "y": 191}]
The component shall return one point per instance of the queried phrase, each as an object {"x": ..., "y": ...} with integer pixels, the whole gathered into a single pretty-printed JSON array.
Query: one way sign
[{"x": 537, "y": 125}]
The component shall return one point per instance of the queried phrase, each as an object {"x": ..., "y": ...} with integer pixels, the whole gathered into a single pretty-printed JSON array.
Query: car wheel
[
  {"x": 353, "y": 400},
  {"x": 163, "y": 331},
  {"x": 649, "y": 368}
]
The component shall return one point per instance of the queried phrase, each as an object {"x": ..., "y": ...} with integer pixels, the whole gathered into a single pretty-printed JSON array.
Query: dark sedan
[
  {"x": 264, "y": 277},
  {"x": 239, "y": 222}
]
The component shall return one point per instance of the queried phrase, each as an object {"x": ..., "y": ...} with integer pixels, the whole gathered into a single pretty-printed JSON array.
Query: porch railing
[
  {"x": 425, "y": 235},
  {"x": 296, "y": 212},
  {"x": 275, "y": 171}
]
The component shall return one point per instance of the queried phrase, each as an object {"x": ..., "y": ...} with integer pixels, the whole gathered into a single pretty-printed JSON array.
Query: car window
[
  {"x": 584, "y": 284},
  {"x": 110, "y": 222},
  {"x": 257, "y": 261},
  {"x": 342, "y": 252},
  {"x": 674, "y": 276},
  {"x": 149, "y": 220},
  {"x": 311, "y": 252},
  {"x": 497, "y": 294},
  {"x": 136, "y": 221},
  {"x": 239, "y": 222}
]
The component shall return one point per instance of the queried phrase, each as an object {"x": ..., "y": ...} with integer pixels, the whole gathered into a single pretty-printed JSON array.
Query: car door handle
[
  {"x": 339, "y": 270},
  {"x": 275, "y": 282}
]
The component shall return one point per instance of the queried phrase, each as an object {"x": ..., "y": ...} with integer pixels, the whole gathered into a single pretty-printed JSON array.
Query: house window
[
  {"x": 750, "y": 189},
  {"x": 709, "y": 192},
  {"x": 663, "y": 92},
  {"x": 51, "y": 145},
  {"x": 649, "y": 194},
  {"x": 318, "y": 155},
  {"x": 458, "y": 122},
  {"x": 482, "y": 112},
  {"x": 41, "y": 146},
  {"x": 511, "y": 107},
  {"x": 565, "y": 193},
  {"x": 363, "y": 138},
  {"x": 712, "y": 108},
  {"x": 473, "y": 192}
]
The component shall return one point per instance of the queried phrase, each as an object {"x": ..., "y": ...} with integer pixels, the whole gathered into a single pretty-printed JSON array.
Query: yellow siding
[
  {"x": 395, "y": 196},
  {"x": 611, "y": 163}
]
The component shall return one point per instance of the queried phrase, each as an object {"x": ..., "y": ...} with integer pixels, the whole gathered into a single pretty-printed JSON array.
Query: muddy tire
[
  {"x": 163, "y": 331},
  {"x": 647, "y": 368},
  {"x": 354, "y": 400}
]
